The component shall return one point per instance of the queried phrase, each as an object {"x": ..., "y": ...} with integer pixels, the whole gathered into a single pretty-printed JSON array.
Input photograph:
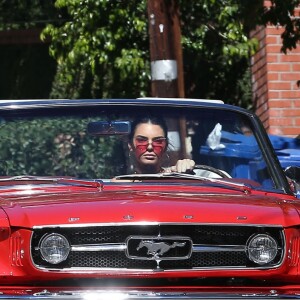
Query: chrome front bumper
[{"x": 94, "y": 294}]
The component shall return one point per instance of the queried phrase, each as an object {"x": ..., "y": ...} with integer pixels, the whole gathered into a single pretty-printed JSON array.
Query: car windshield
[{"x": 93, "y": 143}]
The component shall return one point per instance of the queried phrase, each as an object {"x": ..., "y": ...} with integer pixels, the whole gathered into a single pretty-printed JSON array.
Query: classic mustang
[{"x": 81, "y": 218}]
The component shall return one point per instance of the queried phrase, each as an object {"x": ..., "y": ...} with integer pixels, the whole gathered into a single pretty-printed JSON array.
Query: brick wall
[{"x": 276, "y": 94}]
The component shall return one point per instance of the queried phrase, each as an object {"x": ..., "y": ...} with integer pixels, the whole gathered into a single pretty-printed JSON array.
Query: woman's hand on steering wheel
[
  {"x": 188, "y": 166},
  {"x": 184, "y": 166}
]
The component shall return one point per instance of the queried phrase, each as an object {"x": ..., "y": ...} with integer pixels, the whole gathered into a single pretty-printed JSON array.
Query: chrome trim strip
[
  {"x": 99, "y": 247},
  {"x": 254, "y": 293},
  {"x": 152, "y": 223},
  {"x": 144, "y": 102},
  {"x": 218, "y": 248},
  {"x": 123, "y": 247},
  {"x": 112, "y": 271}
]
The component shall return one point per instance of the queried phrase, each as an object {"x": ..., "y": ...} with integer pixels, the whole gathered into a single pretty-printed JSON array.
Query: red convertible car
[{"x": 81, "y": 218}]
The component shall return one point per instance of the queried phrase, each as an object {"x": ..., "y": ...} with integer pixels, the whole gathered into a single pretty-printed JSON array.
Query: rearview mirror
[{"x": 100, "y": 128}]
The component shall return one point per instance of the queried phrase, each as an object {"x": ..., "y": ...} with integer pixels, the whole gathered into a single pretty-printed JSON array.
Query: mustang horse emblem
[{"x": 158, "y": 248}]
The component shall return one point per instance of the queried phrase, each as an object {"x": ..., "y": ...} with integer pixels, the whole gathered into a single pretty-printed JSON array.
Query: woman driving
[{"x": 148, "y": 142}]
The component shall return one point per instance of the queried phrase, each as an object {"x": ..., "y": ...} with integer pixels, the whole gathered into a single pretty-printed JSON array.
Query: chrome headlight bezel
[
  {"x": 54, "y": 248},
  {"x": 262, "y": 249}
]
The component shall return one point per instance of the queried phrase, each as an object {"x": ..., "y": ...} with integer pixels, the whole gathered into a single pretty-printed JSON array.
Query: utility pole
[
  {"x": 165, "y": 49},
  {"x": 166, "y": 65}
]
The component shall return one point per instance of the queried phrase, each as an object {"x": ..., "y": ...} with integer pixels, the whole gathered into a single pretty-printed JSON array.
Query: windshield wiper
[
  {"x": 220, "y": 182},
  {"x": 59, "y": 180}
]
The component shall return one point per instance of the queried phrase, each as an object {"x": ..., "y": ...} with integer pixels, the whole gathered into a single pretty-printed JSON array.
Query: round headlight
[
  {"x": 262, "y": 249},
  {"x": 54, "y": 248}
]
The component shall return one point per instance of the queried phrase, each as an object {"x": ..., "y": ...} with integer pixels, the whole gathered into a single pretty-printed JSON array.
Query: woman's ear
[{"x": 130, "y": 147}]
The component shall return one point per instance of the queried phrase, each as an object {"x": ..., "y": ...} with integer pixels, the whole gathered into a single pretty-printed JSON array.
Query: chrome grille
[{"x": 218, "y": 236}]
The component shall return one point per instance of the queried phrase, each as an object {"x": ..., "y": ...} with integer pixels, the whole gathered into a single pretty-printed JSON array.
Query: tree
[
  {"x": 102, "y": 50},
  {"x": 217, "y": 50},
  {"x": 27, "y": 70},
  {"x": 20, "y": 14},
  {"x": 102, "y": 46},
  {"x": 282, "y": 13}
]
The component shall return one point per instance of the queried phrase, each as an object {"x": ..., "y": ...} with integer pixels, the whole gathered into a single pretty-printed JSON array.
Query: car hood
[{"x": 161, "y": 204}]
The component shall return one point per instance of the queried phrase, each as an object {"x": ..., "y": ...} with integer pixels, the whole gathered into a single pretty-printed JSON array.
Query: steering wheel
[{"x": 222, "y": 174}]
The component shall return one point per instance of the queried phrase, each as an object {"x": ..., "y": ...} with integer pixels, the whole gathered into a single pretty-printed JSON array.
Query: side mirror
[{"x": 293, "y": 173}]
